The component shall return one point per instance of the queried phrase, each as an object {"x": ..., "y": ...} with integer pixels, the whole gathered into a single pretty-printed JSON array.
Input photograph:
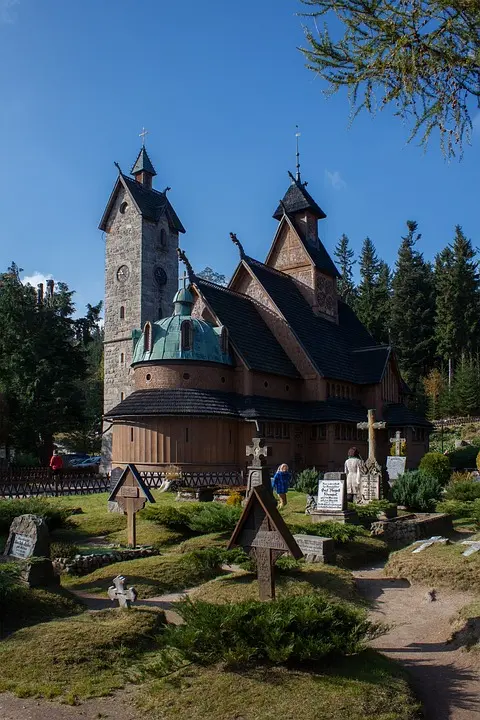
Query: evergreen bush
[
  {"x": 307, "y": 481},
  {"x": 291, "y": 630},
  {"x": 198, "y": 519},
  {"x": 367, "y": 514},
  {"x": 464, "y": 491},
  {"x": 55, "y": 516},
  {"x": 437, "y": 466},
  {"x": 477, "y": 461},
  {"x": 417, "y": 491},
  {"x": 337, "y": 531},
  {"x": 456, "y": 508}
]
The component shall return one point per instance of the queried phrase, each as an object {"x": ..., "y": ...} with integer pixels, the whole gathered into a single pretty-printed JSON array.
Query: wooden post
[
  {"x": 265, "y": 573},
  {"x": 131, "y": 523}
]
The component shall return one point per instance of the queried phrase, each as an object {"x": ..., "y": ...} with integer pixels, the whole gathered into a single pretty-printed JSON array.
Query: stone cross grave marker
[
  {"x": 371, "y": 426},
  {"x": 262, "y": 532},
  {"x": 398, "y": 442},
  {"x": 131, "y": 494},
  {"x": 117, "y": 591},
  {"x": 423, "y": 544},
  {"x": 371, "y": 482},
  {"x": 258, "y": 473},
  {"x": 29, "y": 542},
  {"x": 473, "y": 547}
]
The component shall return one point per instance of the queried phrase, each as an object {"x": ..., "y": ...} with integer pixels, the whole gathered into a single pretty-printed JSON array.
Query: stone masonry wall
[{"x": 156, "y": 299}]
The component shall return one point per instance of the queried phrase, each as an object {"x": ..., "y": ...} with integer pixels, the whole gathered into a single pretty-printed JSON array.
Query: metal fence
[{"x": 35, "y": 482}]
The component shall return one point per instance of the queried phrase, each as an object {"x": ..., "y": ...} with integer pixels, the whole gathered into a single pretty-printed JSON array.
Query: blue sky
[{"x": 220, "y": 86}]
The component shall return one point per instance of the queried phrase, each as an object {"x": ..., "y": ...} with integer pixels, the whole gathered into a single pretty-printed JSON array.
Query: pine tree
[
  {"x": 413, "y": 310},
  {"x": 465, "y": 388},
  {"x": 457, "y": 300},
  {"x": 344, "y": 255},
  {"x": 373, "y": 294}
]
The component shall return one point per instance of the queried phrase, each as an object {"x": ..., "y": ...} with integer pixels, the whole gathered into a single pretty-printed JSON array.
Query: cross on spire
[
  {"x": 183, "y": 278},
  {"x": 143, "y": 135},
  {"x": 297, "y": 135}
]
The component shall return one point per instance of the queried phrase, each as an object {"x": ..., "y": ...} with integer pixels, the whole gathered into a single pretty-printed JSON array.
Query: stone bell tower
[{"x": 141, "y": 272}]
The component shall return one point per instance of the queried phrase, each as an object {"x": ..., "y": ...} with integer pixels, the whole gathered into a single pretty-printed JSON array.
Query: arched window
[
  {"x": 122, "y": 358},
  {"x": 147, "y": 337},
  {"x": 186, "y": 335},
  {"x": 122, "y": 312},
  {"x": 328, "y": 389},
  {"x": 163, "y": 238},
  {"x": 224, "y": 340},
  {"x": 337, "y": 391}
]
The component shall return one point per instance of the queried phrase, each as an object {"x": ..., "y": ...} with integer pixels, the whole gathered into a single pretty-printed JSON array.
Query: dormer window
[
  {"x": 186, "y": 335},
  {"x": 224, "y": 340},
  {"x": 147, "y": 337}
]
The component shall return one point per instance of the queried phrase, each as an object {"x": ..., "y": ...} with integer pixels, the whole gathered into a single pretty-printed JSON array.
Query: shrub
[
  {"x": 460, "y": 476},
  {"x": 55, "y": 516},
  {"x": 465, "y": 457},
  {"x": 477, "y": 461},
  {"x": 234, "y": 498},
  {"x": 417, "y": 491},
  {"x": 338, "y": 532},
  {"x": 437, "y": 466},
  {"x": 63, "y": 550},
  {"x": 198, "y": 519},
  {"x": 367, "y": 514},
  {"x": 465, "y": 490},
  {"x": 307, "y": 481},
  {"x": 456, "y": 508},
  {"x": 296, "y": 630}
]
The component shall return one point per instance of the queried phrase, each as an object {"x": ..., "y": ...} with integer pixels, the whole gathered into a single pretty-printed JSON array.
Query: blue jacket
[{"x": 281, "y": 481}]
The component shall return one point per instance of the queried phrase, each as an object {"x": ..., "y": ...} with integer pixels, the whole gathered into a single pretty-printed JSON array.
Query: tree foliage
[
  {"x": 344, "y": 254},
  {"x": 372, "y": 303},
  {"x": 212, "y": 276},
  {"x": 422, "y": 57}
]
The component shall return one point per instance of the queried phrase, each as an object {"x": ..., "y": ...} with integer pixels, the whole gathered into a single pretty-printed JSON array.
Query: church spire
[{"x": 143, "y": 170}]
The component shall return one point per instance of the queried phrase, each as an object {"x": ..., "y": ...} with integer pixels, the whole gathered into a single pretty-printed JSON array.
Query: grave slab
[{"x": 29, "y": 543}]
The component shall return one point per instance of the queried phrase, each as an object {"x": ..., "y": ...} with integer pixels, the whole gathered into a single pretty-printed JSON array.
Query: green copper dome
[{"x": 181, "y": 337}]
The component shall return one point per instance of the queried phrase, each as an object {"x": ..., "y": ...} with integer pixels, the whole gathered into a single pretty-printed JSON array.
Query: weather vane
[
  {"x": 297, "y": 135},
  {"x": 143, "y": 134}
]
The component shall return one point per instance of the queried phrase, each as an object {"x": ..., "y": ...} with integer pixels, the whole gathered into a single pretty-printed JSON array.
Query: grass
[
  {"x": 362, "y": 687},
  {"x": 150, "y": 576},
  {"x": 331, "y": 581},
  {"x": 82, "y": 657},
  {"x": 438, "y": 566},
  {"x": 29, "y": 606}
]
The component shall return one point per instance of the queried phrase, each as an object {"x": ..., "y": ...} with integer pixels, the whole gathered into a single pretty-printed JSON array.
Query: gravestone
[
  {"x": 316, "y": 549},
  {"x": 395, "y": 467},
  {"x": 123, "y": 596},
  {"x": 115, "y": 476},
  {"x": 29, "y": 543},
  {"x": 131, "y": 494},
  {"x": 262, "y": 532},
  {"x": 371, "y": 481},
  {"x": 332, "y": 500}
]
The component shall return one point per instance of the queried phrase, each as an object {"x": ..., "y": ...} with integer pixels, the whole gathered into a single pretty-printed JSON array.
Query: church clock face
[
  {"x": 123, "y": 273},
  {"x": 160, "y": 276}
]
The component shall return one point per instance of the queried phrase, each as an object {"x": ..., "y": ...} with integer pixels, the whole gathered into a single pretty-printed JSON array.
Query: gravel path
[{"x": 446, "y": 679}]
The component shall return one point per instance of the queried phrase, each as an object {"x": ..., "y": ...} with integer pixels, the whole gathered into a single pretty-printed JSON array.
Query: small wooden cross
[
  {"x": 131, "y": 493},
  {"x": 259, "y": 450},
  {"x": 371, "y": 426},
  {"x": 143, "y": 135},
  {"x": 398, "y": 442},
  {"x": 117, "y": 592},
  {"x": 423, "y": 544}
]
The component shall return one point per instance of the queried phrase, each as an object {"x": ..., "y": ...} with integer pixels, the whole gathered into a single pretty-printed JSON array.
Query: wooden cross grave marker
[
  {"x": 262, "y": 532},
  {"x": 398, "y": 439},
  {"x": 131, "y": 494},
  {"x": 371, "y": 426}
]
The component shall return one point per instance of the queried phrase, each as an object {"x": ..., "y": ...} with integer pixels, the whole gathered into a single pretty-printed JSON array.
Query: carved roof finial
[
  {"x": 186, "y": 262},
  {"x": 237, "y": 242},
  {"x": 118, "y": 168}
]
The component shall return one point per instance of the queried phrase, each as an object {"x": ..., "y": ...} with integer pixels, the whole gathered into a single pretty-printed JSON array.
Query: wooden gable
[{"x": 288, "y": 253}]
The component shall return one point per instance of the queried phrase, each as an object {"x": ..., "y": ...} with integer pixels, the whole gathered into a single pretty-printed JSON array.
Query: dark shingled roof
[
  {"x": 397, "y": 414},
  {"x": 296, "y": 199},
  {"x": 213, "y": 403},
  {"x": 371, "y": 362},
  {"x": 248, "y": 333},
  {"x": 321, "y": 258},
  {"x": 328, "y": 345},
  {"x": 143, "y": 163},
  {"x": 152, "y": 203}
]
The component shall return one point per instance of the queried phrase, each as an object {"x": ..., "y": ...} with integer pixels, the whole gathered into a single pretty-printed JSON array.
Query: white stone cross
[
  {"x": 117, "y": 592},
  {"x": 474, "y": 547},
  {"x": 427, "y": 543},
  {"x": 259, "y": 451},
  {"x": 143, "y": 135},
  {"x": 398, "y": 442}
]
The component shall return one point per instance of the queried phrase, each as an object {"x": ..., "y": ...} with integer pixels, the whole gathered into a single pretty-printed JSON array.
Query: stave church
[{"x": 191, "y": 373}]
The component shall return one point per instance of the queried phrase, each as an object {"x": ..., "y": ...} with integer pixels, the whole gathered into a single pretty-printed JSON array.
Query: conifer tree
[
  {"x": 413, "y": 310},
  {"x": 372, "y": 302},
  {"x": 344, "y": 256},
  {"x": 384, "y": 297},
  {"x": 465, "y": 388}
]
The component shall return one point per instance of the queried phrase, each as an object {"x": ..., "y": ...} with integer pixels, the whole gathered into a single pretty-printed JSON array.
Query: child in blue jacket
[{"x": 281, "y": 483}]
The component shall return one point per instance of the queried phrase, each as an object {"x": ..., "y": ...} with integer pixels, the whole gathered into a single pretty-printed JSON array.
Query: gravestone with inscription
[
  {"x": 131, "y": 494},
  {"x": 262, "y": 532},
  {"x": 29, "y": 544},
  {"x": 332, "y": 500},
  {"x": 395, "y": 467}
]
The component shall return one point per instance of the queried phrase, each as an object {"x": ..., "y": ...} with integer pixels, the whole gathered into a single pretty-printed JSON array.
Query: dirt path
[{"x": 447, "y": 680}]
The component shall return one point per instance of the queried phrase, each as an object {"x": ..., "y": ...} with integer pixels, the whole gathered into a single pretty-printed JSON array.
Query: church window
[
  {"x": 277, "y": 430},
  {"x": 123, "y": 208},
  {"x": 337, "y": 391},
  {"x": 222, "y": 379},
  {"x": 122, "y": 358},
  {"x": 159, "y": 313},
  {"x": 318, "y": 433},
  {"x": 147, "y": 337},
  {"x": 186, "y": 435},
  {"x": 148, "y": 377},
  {"x": 224, "y": 340},
  {"x": 328, "y": 389},
  {"x": 186, "y": 376},
  {"x": 122, "y": 312},
  {"x": 131, "y": 434},
  {"x": 163, "y": 238},
  {"x": 186, "y": 332},
  {"x": 122, "y": 396},
  {"x": 287, "y": 387},
  {"x": 230, "y": 436},
  {"x": 265, "y": 384}
]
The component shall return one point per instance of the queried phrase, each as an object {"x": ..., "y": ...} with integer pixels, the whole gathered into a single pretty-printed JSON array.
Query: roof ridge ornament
[
  {"x": 186, "y": 262},
  {"x": 118, "y": 167},
  {"x": 236, "y": 241}
]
